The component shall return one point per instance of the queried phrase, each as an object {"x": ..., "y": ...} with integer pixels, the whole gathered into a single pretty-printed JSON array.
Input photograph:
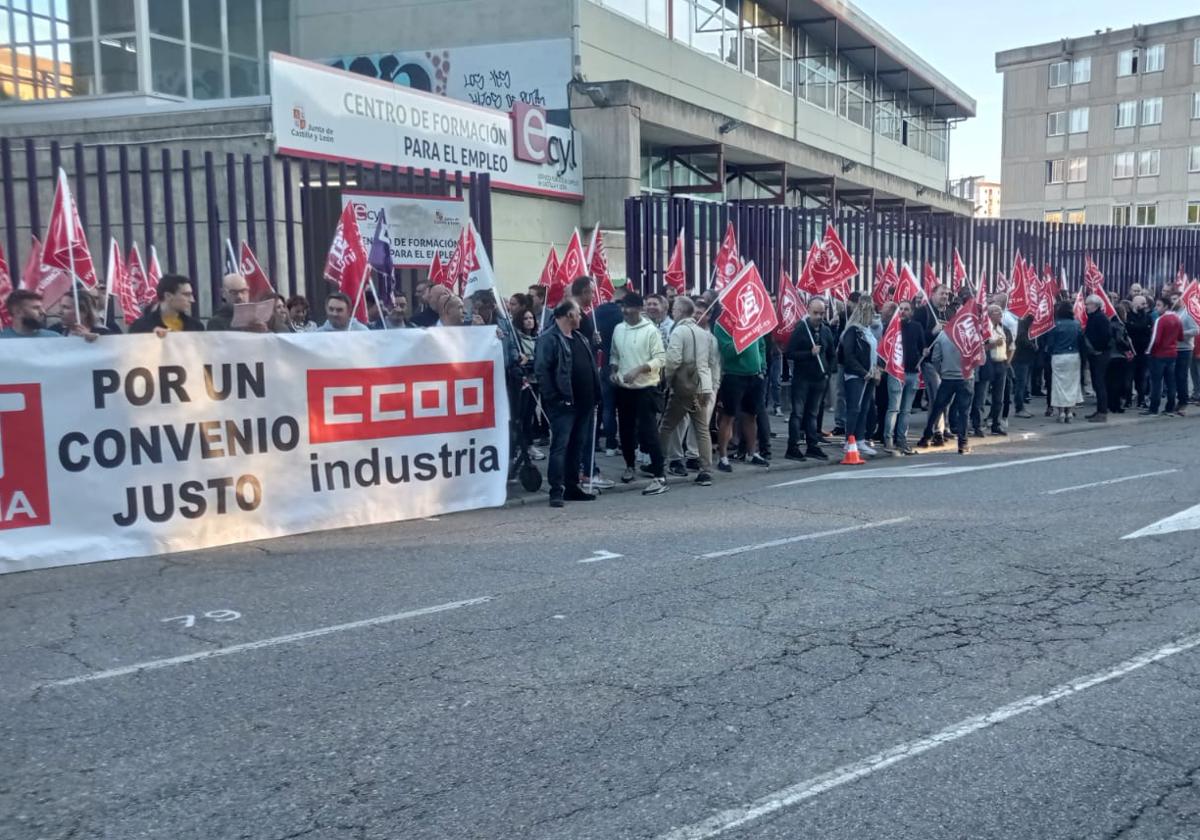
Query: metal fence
[
  {"x": 188, "y": 203},
  {"x": 774, "y": 236}
]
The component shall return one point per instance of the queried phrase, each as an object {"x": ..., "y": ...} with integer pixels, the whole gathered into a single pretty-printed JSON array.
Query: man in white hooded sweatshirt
[{"x": 635, "y": 367}]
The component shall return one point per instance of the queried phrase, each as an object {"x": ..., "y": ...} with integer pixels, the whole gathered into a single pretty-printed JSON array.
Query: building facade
[
  {"x": 982, "y": 193},
  {"x": 1105, "y": 129},
  {"x": 772, "y": 101}
]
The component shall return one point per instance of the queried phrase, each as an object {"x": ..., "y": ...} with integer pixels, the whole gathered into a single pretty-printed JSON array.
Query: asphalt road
[{"x": 926, "y": 648}]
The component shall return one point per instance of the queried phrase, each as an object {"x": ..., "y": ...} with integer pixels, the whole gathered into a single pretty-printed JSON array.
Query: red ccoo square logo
[
  {"x": 370, "y": 403},
  {"x": 24, "y": 490}
]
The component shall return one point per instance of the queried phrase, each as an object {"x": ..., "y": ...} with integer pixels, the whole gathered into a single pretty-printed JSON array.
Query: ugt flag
[
  {"x": 891, "y": 348},
  {"x": 676, "y": 274},
  {"x": 746, "y": 310},
  {"x": 791, "y": 308},
  {"x": 833, "y": 266},
  {"x": 572, "y": 266},
  {"x": 66, "y": 247},
  {"x": 728, "y": 261},
  {"x": 966, "y": 331},
  {"x": 256, "y": 278}
]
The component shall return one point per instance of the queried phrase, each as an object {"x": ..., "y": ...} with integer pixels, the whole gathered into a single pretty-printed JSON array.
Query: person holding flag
[
  {"x": 955, "y": 354},
  {"x": 1097, "y": 334},
  {"x": 904, "y": 379},
  {"x": 932, "y": 314},
  {"x": 1001, "y": 347},
  {"x": 813, "y": 354},
  {"x": 746, "y": 318}
]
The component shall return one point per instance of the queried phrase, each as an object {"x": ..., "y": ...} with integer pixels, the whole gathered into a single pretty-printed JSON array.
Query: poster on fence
[
  {"x": 418, "y": 225},
  {"x": 136, "y": 445}
]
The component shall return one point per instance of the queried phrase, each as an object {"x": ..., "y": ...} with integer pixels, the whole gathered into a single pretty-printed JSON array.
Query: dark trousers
[
  {"x": 1141, "y": 376},
  {"x": 637, "y": 424},
  {"x": 958, "y": 393},
  {"x": 1183, "y": 366},
  {"x": 1098, "y": 365},
  {"x": 983, "y": 384},
  {"x": 568, "y": 428},
  {"x": 1020, "y": 388},
  {"x": 1162, "y": 371},
  {"x": 807, "y": 395},
  {"x": 1117, "y": 379},
  {"x": 608, "y": 412},
  {"x": 1001, "y": 392}
]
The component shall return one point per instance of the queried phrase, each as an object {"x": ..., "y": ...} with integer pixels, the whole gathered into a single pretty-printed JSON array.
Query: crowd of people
[{"x": 658, "y": 381}]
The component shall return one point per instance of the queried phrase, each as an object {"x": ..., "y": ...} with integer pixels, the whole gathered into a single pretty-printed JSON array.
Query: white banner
[
  {"x": 320, "y": 112},
  {"x": 136, "y": 445},
  {"x": 418, "y": 225}
]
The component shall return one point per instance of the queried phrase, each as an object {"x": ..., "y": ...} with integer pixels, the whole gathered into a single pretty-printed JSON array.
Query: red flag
[
  {"x": 597, "y": 260},
  {"x": 1093, "y": 281},
  {"x": 930, "y": 281},
  {"x": 746, "y": 310},
  {"x": 833, "y": 265},
  {"x": 51, "y": 283},
  {"x": 891, "y": 348},
  {"x": 1050, "y": 282},
  {"x": 256, "y": 278},
  {"x": 676, "y": 274},
  {"x": 906, "y": 285},
  {"x": 546, "y": 278},
  {"x": 981, "y": 301},
  {"x": 66, "y": 246},
  {"x": 118, "y": 280},
  {"x": 438, "y": 276},
  {"x": 728, "y": 261},
  {"x": 6, "y": 288},
  {"x": 32, "y": 272},
  {"x": 807, "y": 284},
  {"x": 1191, "y": 299},
  {"x": 1181, "y": 278},
  {"x": 1002, "y": 284},
  {"x": 144, "y": 292},
  {"x": 1079, "y": 308},
  {"x": 958, "y": 274},
  {"x": 1041, "y": 306},
  {"x": 791, "y": 308},
  {"x": 1019, "y": 300},
  {"x": 573, "y": 266},
  {"x": 965, "y": 330},
  {"x": 456, "y": 268},
  {"x": 346, "y": 264},
  {"x": 154, "y": 273}
]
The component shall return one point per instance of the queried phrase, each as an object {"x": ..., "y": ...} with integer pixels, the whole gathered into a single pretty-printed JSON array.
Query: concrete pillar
[{"x": 611, "y": 144}]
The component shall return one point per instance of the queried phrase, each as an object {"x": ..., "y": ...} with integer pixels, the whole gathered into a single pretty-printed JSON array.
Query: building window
[
  {"x": 1081, "y": 71},
  {"x": 1156, "y": 57},
  {"x": 1193, "y": 213},
  {"x": 1056, "y": 123},
  {"x": 1123, "y": 163},
  {"x": 1196, "y": 106},
  {"x": 1121, "y": 215},
  {"x": 1196, "y": 51},
  {"x": 1053, "y": 217},
  {"x": 652, "y": 13},
  {"x": 1079, "y": 120},
  {"x": 1152, "y": 111},
  {"x": 1127, "y": 62},
  {"x": 1060, "y": 73},
  {"x": 1148, "y": 163},
  {"x": 1127, "y": 114},
  {"x": 1077, "y": 216},
  {"x": 1147, "y": 215},
  {"x": 1194, "y": 159},
  {"x": 1054, "y": 171},
  {"x": 1077, "y": 170}
]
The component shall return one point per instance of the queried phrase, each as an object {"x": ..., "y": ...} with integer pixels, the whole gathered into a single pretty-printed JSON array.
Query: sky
[{"x": 961, "y": 39}]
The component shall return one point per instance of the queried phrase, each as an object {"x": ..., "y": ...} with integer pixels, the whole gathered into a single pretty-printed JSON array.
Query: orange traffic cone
[{"x": 852, "y": 457}]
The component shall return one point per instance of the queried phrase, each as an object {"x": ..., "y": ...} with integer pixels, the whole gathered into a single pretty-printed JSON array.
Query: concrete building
[
  {"x": 783, "y": 101},
  {"x": 1105, "y": 128},
  {"x": 982, "y": 193}
]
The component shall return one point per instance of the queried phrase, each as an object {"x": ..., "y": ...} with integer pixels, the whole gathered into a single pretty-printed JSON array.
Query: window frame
[
  {"x": 1125, "y": 210},
  {"x": 1157, "y": 101},
  {"x": 1194, "y": 159},
  {"x": 1196, "y": 105},
  {"x": 1078, "y": 165},
  {"x": 1053, "y": 165},
  {"x": 1064, "y": 73},
  {"x": 1052, "y": 217},
  {"x": 1118, "y": 157},
  {"x": 1075, "y": 216},
  {"x": 1074, "y": 112},
  {"x": 1133, "y": 108},
  {"x": 1154, "y": 155},
  {"x": 1130, "y": 67},
  {"x": 1193, "y": 213},
  {"x": 1142, "y": 214},
  {"x": 1062, "y": 123},
  {"x": 1159, "y": 50},
  {"x": 1085, "y": 62}
]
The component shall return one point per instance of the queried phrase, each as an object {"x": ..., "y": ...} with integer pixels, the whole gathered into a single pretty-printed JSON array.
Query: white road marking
[
  {"x": 597, "y": 556},
  {"x": 743, "y": 549},
  {"x": 1185, "y": 520},
  {"x": 915, "y": 471},
  {"x": 155, "y": 664},
  {"x": 1109, "y": 481},
  {"x": 809, "y": 788}
]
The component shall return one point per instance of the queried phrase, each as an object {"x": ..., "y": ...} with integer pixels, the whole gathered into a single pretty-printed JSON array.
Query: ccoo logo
[{"x": 24, "y": 490}]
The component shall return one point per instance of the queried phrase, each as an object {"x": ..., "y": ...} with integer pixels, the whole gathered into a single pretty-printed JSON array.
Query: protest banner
[{"x": 141, "y": 445}]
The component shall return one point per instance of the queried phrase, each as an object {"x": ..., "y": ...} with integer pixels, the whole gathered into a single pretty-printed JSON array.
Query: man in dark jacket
[
  {"x": 1098, "y": 332},
  {"x": 814, "y": 356},
  {"x": 1139, "y": 324},
  {"x": 234, "y": 290},
  {"x": 570, "y": 386},
  {"x": 931, "y": 316},
  {"x": 173, "y": 311}
]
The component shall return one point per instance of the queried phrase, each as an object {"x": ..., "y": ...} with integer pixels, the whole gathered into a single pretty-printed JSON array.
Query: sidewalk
[{"x": 1019, "y": 431}]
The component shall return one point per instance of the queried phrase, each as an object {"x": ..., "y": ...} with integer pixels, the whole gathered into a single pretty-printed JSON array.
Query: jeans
[
  {"x": 679, "y": 414},
  {"x": 983, "y": 384},
  {"x": 1021, "y": 371},
  {"x": 933, "y": 379},
  {"x": 567, "y": 429},
  {"x": 1098, "y": 365},
  {"x": 900, "y": 400},
  {"x": 608, "y": 412},
  {"x": 1162, "y": 370},
  {"x": 860, "y": 394},
  {"x": 959, "y": 393},
  {"x": 1183, "y": 366},
  {"x": 806, "y": 404},
  {"x": 774, "y": 381},
  {"x": 638, "y": 426}
]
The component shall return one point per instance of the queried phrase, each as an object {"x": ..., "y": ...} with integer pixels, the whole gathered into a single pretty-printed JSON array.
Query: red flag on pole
[
  {"x": 891, "y": 348},
  {"x": 549, "y": 269},
  {"x": 1093, "y": 282},
  {"x": 1041, "y": 306},
  {"x": 597, "y": 260},
  {"x": 791, "y": 308},
  {"x": 573, "y": 266},
  {"x": 119, "y": 282},
  {"x": 965, "y": 330},
  {"x": 906, "y": 285},
  {"x": 438, "y": 276},
  {"x": 676, "y": 274},
  {"x": 256, "y": 278},
  {"x": 1079, "y": 308},
  {"x": 1002, "y": 284},
  {"x": 66, "y": 246},
  {"x": 958, "y": 274},
  {"x": 746, "y": 310},
  {"x": 728, "y": 261},
  {"x": 1181, "y": 278},
  {"x": 6, "y": 288},
  {"x": 833, "y": 266},
  {"x": 931, "y": 281},
  {"x": 51, "y": 283},
  {"x": 144, "y": 292},
  {"x": 346, "y": 264},
  {"x": 806, "y": 283},
  {"x": 1019, "y": 299},
  {"x": 154, "y": 273},
  {"x": 1191, "y": 299},
  {"x": 885, "y": 285}
]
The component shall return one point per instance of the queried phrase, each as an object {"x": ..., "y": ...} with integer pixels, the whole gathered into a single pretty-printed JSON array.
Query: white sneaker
[
  {"x": 536, "y": 454},
  {"x": 611, "y": 453},
  {"x": 867, "y": 449},
  {"x": 656, "y": 487}
]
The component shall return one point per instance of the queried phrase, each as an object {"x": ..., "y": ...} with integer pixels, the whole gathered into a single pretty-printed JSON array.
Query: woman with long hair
[
  {"x": 860, "y": 373},
  {"x": 1063, "y": 344}
]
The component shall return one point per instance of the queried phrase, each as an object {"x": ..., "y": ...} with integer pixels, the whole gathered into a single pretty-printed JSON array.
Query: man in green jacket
[{"x": 740, "y": 395}]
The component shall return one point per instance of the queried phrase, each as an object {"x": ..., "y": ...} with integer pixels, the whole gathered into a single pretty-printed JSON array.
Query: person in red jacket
[{"x": 1164, "y": 339}]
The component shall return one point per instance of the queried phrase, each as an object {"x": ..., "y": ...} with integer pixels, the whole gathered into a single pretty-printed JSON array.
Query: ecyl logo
[
  {"x": 24, "y": 490},
  {"x": 371, "y": 403},
  {"x": 534, "y": 142}
]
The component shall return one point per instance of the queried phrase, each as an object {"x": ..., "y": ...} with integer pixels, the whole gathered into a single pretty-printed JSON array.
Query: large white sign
[
  {"x": 137, "y": 445},
  {"x": 496, "y": 76},
  {"x": 323, "y": 113},
  {"x": 418, "y": 225}
]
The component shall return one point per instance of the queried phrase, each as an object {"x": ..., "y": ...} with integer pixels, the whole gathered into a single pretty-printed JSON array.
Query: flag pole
[
  {"x": 234, "y": 262},
  {"x": 375, "y": 292},
  {"x": 361, "y": 288}
]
